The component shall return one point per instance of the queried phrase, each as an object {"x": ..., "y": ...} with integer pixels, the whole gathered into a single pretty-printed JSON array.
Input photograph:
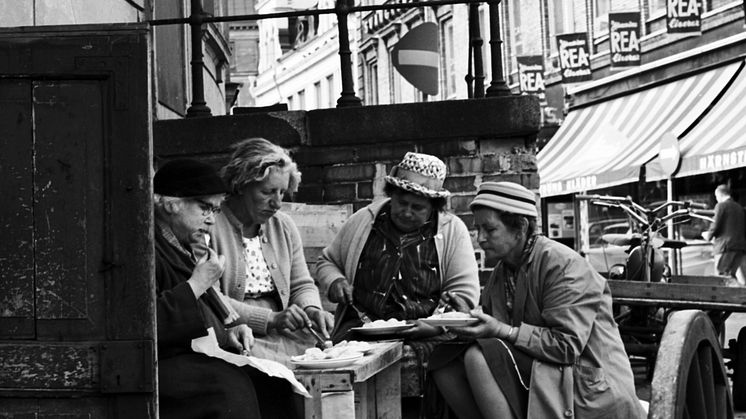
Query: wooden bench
[{"x": 369, "y": 387}]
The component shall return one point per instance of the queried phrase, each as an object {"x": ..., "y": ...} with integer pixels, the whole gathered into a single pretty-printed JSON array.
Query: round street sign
[
  {"x": 416, "y": 57},
  {"x": 669, "y": 154}
]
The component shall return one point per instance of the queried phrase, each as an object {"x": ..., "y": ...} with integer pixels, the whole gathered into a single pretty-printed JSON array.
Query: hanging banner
[
  {"x": 531, "y": 75},
  {"x": 683, "y": 16},
  {"x": 575, "y": 57},
  {"x": 624, "y": 39},
  {"x": 416, "y": 57}
]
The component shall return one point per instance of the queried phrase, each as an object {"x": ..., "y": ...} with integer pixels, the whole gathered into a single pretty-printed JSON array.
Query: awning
[
  {"x": 718, "y": 141},
  {"x": 605, "y": 144}
]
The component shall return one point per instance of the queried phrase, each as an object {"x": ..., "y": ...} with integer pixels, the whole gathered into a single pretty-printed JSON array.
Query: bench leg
[{"x": 380, "y": 396}]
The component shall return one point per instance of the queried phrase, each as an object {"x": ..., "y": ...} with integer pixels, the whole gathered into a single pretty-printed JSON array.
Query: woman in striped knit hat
[{"x": 546, "y": 344}]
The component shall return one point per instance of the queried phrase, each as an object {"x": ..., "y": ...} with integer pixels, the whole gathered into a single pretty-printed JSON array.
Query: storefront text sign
[
  {"x": 683, "y": 16},
  {"x": 575, "y": 58},
  {"x": 531, "y": 75},
  {"x": 624, "y": 39}
]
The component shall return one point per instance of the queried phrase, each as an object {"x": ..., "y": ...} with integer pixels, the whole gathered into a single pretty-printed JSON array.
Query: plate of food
[
  {"x": 333, "y": 357},
  {"x": 383, "y": 327},
  {"x": 355, "y": 345},
  {"x": 451, "y": 318}
]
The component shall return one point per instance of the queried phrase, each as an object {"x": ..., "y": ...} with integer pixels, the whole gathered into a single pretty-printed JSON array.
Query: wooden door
[{"x": 76, "y": 255}]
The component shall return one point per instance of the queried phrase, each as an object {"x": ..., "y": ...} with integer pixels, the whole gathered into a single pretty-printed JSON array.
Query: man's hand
[
  {"x": 322, "y": 320},
  {"x": 209, "y": 269},
  {"x": 242, "y": 338},
  {"x": 340, "y": 291},
  {"x": 292, "y": 318}
]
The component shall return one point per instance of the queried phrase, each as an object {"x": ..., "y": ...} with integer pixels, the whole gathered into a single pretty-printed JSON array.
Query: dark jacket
[
  {"x": 727, "y": 232},
  {"x": 180, "y": 316}
]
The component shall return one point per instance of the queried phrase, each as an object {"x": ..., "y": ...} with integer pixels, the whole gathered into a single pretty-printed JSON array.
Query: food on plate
[
  {"x": 384, "y": 323},
  {"x": 451, "y": 315},
  {"x": 343, "y": 349}
]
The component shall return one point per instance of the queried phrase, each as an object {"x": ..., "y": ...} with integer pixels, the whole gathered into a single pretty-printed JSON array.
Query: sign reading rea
[
  {"x": 574, "y": 57},
  {"x": 624, "y": 38},
  {"x": 531, "y": 74},
  {"x": 683, "y": 16}
]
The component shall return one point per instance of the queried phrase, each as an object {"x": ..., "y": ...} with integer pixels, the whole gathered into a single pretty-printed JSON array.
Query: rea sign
[
  {"x": 531, "y": 74},
  {"x": 624, "y": 38},
  {"x": 575, "y": 58},
  {"x": 683, "y": 16}
]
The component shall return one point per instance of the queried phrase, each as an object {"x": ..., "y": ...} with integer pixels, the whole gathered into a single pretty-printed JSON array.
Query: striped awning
[
  {"x": 718, "y": 141},
  {"x": 605, "y": 144}
]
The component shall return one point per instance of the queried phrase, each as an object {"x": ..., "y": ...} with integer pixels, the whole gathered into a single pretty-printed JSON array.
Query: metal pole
[
  {"x": 498, "y": 87},
  {"x": 347, "y": 98},
  {"x": 476, "y": 46},
  {"x": 199, "y": 106}
]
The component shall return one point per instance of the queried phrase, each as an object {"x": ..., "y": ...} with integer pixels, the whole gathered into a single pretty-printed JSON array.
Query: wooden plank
[
  {"x": 69, "y": 208},
  {"x": 387, "y": 354},
  {"x": 684, "y": 295},
  {"x": 388, "y": 392},
  {"x": 16, "y": 214},
  {"x": 27, "y": 366},
  {"x": 317, "y": 224}
]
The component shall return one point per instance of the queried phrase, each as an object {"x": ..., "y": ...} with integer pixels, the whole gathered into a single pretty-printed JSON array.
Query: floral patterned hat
[{"x": 421, "y": 174}]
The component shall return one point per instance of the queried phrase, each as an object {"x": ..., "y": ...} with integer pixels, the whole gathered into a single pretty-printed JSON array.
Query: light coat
[{"x": 563, "y": 310}]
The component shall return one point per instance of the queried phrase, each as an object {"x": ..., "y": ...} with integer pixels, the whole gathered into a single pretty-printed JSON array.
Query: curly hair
[{"x": 253, "y": 159}]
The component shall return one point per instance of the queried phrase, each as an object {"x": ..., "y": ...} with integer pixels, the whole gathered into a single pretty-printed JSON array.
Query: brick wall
[{"x": 345, "y": 153}]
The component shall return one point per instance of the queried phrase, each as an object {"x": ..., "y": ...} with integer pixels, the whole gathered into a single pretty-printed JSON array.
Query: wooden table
[{"x": 371, "y": 386}]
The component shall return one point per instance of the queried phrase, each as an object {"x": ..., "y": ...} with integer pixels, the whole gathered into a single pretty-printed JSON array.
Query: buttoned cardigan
[{"x": 283, "y": 251}]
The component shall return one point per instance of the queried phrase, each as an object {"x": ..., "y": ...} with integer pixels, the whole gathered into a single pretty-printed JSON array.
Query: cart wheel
[
  {"x": 739, "y": 371},
  {"x": 689, "y": 379}
]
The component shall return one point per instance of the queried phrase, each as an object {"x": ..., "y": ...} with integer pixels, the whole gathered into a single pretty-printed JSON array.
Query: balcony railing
[{"x": 475, "y": 86}]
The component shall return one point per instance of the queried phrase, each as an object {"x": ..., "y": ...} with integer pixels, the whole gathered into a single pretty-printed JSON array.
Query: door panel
[
  {"x": 16, "y": 216},
  {"x": 77, "y": 298},
  {"x": 69, "y": 219}
]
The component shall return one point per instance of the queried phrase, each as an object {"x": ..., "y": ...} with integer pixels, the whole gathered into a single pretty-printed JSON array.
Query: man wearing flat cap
[{"x": 193, "y": 385}]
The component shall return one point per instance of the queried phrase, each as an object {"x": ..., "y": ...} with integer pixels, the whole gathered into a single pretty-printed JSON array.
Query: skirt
[{"x": 510, "y": 367}]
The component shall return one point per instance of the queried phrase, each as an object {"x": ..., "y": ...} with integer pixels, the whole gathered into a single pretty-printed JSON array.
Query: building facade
[{"x": 299, "y": 59}]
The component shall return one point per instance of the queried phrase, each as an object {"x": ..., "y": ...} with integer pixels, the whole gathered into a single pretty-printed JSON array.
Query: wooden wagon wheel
[{"x": 689, "y": 379}]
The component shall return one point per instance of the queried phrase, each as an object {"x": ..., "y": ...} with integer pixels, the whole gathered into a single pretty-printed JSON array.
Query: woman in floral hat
[{"x": 393, "y": 258}]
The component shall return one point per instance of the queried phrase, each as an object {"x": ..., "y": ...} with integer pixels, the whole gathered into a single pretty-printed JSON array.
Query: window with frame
[
  {"x": 331, "y": 91},
  {"x": 559, "y": 21},
  {"x": 371, "y": 88},
  {"x": 302, "y": 100},
  {"x": 449, "y": 59},
  {"x": 601, "y": 10},
  {"x": 317, "y": 94}
]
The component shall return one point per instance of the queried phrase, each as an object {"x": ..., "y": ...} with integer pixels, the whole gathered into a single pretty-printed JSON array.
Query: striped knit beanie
[{"x": 506, "y": 196}]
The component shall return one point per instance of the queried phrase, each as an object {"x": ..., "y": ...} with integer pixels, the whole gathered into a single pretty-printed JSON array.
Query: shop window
[{"x": 560, "y": 20}]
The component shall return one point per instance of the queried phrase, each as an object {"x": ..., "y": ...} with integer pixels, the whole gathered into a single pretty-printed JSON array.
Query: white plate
[
  {"x": 450, "y": 322},
  {"x": 382, "y": 330},
  {"x": 327, "y": 363}
]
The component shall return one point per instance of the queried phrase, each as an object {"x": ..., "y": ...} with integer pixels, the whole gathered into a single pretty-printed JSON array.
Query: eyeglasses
[{"x": 207, "y": 208}]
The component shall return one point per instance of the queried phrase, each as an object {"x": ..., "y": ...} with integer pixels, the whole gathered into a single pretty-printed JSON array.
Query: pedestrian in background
[{"x": 728, "y": 236}]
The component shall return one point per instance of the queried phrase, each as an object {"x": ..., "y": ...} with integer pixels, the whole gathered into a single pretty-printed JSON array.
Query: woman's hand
[
  {"x": 322, "y": 320},
  {"x": 241, "y": 337},
  {"x": 488, "y": 327},
  {"x": 454, "y": 300},
  {"x": 340, "y": 291},
  {"x": 208, "y": 270},
  {"x": 292, "y": 318},
  {"x": 421, "y": 330}
]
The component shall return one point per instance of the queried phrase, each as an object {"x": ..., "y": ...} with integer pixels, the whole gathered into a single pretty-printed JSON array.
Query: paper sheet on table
[{"x": 208, "y": 345}]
